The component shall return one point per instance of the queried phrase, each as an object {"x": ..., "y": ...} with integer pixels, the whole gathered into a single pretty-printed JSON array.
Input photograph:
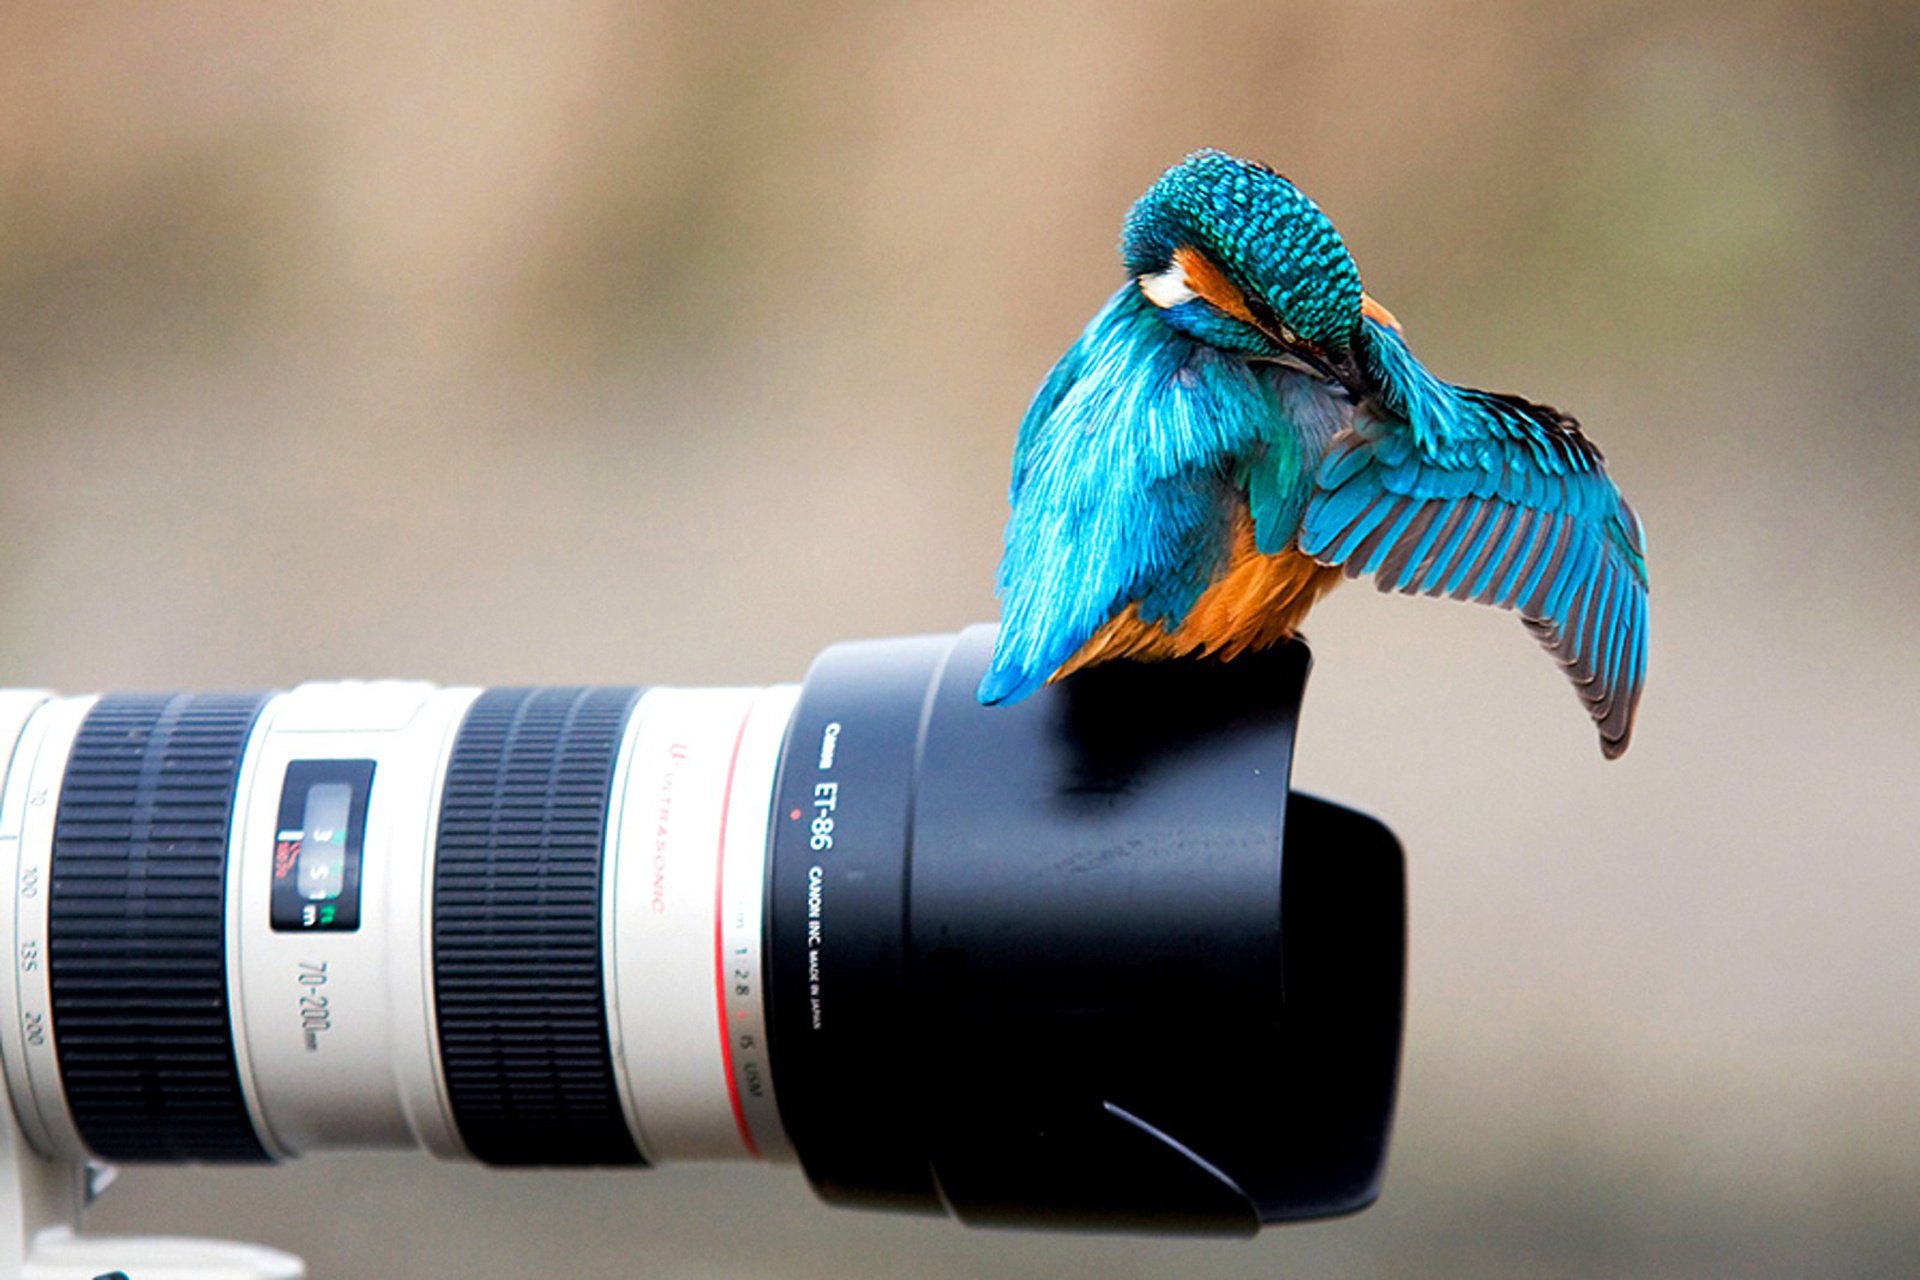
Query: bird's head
[{"x": 1235, "y": 256}]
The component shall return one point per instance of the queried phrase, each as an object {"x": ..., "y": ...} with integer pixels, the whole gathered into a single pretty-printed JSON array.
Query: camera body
[{"x": 1086, "y": 962}]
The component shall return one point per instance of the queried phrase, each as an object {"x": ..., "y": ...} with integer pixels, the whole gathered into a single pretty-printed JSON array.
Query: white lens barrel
[
  {"x": 37, "y": 732},
  {"x": 330, "y": 886},
  {"x": 334, "y": 1030},
  {"x": 684, "y": 922}
]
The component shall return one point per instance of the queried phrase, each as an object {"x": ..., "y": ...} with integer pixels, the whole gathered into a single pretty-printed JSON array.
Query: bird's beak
[
  {"x": 1346, "y": 371},
  {"x": 1343, "y": 368}
]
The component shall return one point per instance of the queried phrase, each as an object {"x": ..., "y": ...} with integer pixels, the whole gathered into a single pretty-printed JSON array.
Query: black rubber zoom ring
[
  {"x": 517, "y": 966},
  {"x": 136, "y": 930}
]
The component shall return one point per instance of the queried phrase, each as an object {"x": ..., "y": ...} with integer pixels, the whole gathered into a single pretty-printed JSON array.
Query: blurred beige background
[{"x": 614, "y": 342}]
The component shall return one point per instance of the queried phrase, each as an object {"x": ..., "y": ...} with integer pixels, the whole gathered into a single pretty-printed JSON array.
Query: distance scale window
[{"x": 316, "y": 851}]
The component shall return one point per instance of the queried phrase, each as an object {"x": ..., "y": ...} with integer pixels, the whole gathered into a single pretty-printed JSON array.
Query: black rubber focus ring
[
  {"x": 136, "y": 937},
  {"x": 518, "y": 972}
]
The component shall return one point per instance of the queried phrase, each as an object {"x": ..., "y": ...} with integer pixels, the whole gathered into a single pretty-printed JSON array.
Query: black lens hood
[{"x": 1080, "y": 962}]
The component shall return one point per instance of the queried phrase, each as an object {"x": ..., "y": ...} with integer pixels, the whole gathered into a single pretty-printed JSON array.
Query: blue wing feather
[
  {"x": 1444, "y": 489},
  {"x": 1305, "y": 416},
  {"x": 1127, "y": 472}
]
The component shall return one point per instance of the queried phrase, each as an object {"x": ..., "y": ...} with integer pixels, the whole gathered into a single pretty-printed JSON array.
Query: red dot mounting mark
[{"x": 794, "y": 816}]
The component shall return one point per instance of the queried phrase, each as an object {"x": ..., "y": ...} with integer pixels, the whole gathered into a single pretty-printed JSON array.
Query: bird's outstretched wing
[
  {"x": 1443, "y": 490},
  {"x": 1127, "y": 473}
]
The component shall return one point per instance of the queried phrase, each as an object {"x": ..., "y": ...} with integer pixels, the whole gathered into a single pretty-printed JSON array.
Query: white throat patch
[{"x": 1169, "y": 288}]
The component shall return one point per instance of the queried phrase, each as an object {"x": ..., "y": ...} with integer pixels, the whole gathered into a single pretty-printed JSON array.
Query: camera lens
[
  {"x": 1081, "y": 961},
  {"x": 1085, "y": 961}
]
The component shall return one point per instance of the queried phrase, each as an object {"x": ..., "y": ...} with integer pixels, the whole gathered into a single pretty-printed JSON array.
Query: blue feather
[
  {"x": 1124, "y": 483},
  {"x": 1464, "y": 517},
  {"x": 1529, "y": 558},
  {"x": 1279, "y": 475},
  {"x": 1314, "y": 537},
  {"x": 1003, "y": 686},
  {"x": 1404, "y": 580},
  {"x": 1409, "y": 392},
  {"x": 1540, "y": 562},
  {"x": 1575, "y": 574},
  {"x": 1348, "y": 458},
  {"x": 1619, "y": 631},
  {"x": 1393, "y": 532},
  {"x": 1336, "y": 509},
  {"x": 1489, "y": 497}
]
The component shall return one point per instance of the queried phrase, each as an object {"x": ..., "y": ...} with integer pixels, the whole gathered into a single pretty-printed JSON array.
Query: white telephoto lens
[
  {"x": 523, "y": 926},
  {"x": 1086, "y": 961}
]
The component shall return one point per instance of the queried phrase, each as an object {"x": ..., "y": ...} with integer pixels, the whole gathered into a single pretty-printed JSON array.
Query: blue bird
[{"x": 1241, "y": 425}]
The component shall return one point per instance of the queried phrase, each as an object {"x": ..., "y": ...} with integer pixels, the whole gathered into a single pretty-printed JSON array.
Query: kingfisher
[{"x": 1242, "y": 425}]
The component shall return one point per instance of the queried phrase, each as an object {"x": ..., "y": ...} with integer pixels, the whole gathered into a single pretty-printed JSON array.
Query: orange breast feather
[{"x": 1256, "y": 601}]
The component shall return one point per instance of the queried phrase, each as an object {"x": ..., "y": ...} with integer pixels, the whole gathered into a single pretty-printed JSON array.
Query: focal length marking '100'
[
  {"x": 1043, "y": 965},
  {"x": 388, "y": 915}
]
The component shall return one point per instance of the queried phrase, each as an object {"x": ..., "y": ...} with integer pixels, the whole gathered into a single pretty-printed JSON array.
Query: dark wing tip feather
[
  {"x": 1533, "y": 532},
  {"x": 1578, "y": 599},
  {"x": 1582, "y": 645},
  {"x": 1557, "y": 429}
]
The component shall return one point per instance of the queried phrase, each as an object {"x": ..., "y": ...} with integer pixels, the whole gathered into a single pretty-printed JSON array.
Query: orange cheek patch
[
  {"x": 1370, "y": 307},
  {"x": 1211, "y": 283}
]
